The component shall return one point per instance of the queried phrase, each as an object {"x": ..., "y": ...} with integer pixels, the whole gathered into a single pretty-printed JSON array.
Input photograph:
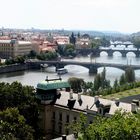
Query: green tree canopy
[
  {"x": 13, "y": 126},
  {"x": 136, "y": 41},
  {"x": 23, "y": 98},
  {"x": 120, "y": 126},
  {"x": 72, "y": 39},
  {"x": 76, "y": 84},
  {"x": 130, "y": 75}
]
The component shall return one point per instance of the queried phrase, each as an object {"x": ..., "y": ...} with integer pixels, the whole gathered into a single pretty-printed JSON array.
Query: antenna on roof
[
  {"x": 60, "y": 77},
  {"x": 47, "y": 79}
]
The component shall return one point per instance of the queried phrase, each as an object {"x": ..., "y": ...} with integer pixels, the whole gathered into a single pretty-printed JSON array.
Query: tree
[
  {"x": 23, "y": 98},
  {"x": 129, "y": 75},
  {"x": 136, "y": 41},
  {"x": 120, "y": 126},
  {"x": 76, "y": 84},
  {"x": 122, "y": 79},
  {"x": 104, "y": 42},
  {"x": 101, "y": 81},
  {"x": 79, "y": 126},
  {"x": 97, "y": 82},
  {"x": 13, "y": 126},
  {"x": 95, "y": 43},
  {"x": 72, "y": 39},
  {"x": 78, "y": 35},
  {"x": 32, "y": 54}
]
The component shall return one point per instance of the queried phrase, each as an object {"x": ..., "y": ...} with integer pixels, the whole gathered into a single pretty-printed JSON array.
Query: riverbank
[{"x": 16, "y": 67}]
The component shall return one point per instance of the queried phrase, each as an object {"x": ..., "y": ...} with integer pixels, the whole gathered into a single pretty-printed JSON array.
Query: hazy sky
[{"x": 115, "y": 15}]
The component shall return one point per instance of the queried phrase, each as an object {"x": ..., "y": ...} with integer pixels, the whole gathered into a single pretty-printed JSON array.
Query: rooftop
[
  {"x": 56, "y": 84},
  {"x": 88, "y": 102}
]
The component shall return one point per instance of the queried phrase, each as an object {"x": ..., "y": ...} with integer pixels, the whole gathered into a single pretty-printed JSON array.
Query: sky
[{"x": 99, "y": 15}]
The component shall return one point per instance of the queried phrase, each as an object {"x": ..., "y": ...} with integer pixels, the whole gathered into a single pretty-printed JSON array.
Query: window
[
  {"x": 75, "y": 119},
  {"x": 60, "y": 129},
  {"x": 53, "y": 127},
  {"x": 90, "y": 122},
  {"x": 53, "y": 115},
  {"x": 67, "y": 118},
  {"x": 60, "y": 116}
]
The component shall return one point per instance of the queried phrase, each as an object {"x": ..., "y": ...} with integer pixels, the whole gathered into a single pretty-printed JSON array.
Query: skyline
[{"x": 97, "y": 15}]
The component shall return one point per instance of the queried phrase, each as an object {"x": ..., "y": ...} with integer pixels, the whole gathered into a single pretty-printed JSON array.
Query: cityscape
[{"x": 70, "y": 70}]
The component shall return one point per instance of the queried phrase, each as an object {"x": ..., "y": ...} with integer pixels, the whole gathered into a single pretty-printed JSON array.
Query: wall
[{"x": 17, "y": 67}]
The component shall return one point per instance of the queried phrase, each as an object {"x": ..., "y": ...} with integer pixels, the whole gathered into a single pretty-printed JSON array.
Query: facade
[
  {"x": 57, "y": 113},
  {"x": 61, "y": 40},
  {"x": 13, "y": 48}
]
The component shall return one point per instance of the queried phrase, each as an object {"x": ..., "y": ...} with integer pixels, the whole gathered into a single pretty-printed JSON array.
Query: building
[
  {"x": 61, "y": 40},
  {"x": 13, "y": 48},
  {"x": 60, "y": 106}
]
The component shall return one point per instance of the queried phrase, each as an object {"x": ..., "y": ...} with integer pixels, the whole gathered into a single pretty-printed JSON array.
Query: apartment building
[
  {"x": 60, "y": 107},
  {"x": 13, "y": 48}
]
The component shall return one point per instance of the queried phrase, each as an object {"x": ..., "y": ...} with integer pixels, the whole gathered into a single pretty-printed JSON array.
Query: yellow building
[{"x": 13, "y": 48}]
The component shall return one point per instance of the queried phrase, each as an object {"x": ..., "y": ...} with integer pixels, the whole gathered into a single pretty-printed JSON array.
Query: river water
[{"x": 33, "y": 77}]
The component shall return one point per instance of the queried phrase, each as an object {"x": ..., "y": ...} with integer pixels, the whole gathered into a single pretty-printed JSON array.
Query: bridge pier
[
  {"x": 110, "y": 54},
  {"x": 123, "y": 54},
  {"x": 137, "y": 54},
  {"x": 93, "y": 70},
  {"x": 58, "y": 66}
]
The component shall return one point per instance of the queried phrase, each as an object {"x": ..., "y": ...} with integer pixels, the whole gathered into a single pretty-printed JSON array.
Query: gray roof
[{"x": 88, "y": 101}]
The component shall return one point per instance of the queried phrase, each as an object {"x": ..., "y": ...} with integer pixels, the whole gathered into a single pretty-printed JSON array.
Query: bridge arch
[
  {"x": 118, "y": 53},
  {"x": 76, "y": 68},
  {"x": 130, "y": 53},
  {"x": 110, "y": 67},
  {"x": 103, "y": 53},
  {"x": 71, "y": 65}
]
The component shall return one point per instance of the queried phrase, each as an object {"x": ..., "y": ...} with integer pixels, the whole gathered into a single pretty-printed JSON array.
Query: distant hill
[{"x": 136, "y": 34}]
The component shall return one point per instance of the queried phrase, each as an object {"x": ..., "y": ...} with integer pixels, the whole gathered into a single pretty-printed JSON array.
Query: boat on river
[{"x": 62, "y": 71}]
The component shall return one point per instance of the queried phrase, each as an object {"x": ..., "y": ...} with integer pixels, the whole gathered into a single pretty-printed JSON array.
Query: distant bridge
[
  {"x": 93, "y": 67},
  {"x": 125, "y": 44},
  {"x": 109, "y": 51}
]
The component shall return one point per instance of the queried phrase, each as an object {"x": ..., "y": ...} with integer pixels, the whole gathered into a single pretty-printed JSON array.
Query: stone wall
[{"x": 13, "y": 68}]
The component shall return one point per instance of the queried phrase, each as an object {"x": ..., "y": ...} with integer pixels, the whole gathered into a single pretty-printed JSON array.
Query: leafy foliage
[
  {"x": 136, "y": 41},
  {"x": 76, "y": 84},
  {"x": 120, "y": 126},
  {"x": 72, "y": 39},
  {"x": 18, "y": 59},
  {"x": 47, "y": 56},
  {"x": 23, "y": 98},
  {"x": 129, "y": 75},
  {"x": 13, "y": 125}
]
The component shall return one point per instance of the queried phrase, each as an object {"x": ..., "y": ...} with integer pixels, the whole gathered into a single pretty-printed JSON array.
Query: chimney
[
  {"x": 64, "y": 137},
  {"x": 117, "y": 101},
  {"x": 79, "y": 96},
  {"x": 133, "y": 107},
  {"x": 71, "y": 94},
  {"x": 96, "y": 98}
]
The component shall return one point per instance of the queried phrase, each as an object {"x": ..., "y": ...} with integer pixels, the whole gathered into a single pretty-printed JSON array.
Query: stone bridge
[
  {"x": 93, "y": 67},
  {"x": 125, "y": 44},
  {"x": 96, "y": 52}
]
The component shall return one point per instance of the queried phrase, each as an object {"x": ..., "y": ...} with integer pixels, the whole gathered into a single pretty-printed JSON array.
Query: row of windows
[
  {"x": 67, "y": 117},
  {"x": 6, "y": 44},
  {"x": 6, "y": 49}
]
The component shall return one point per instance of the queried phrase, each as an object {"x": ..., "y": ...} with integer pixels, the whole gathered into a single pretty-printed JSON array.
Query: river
[{"x": 33, "y": 77}]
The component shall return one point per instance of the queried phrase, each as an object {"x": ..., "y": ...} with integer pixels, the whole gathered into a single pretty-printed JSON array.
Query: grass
[{"x": 126, "y": 93}]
